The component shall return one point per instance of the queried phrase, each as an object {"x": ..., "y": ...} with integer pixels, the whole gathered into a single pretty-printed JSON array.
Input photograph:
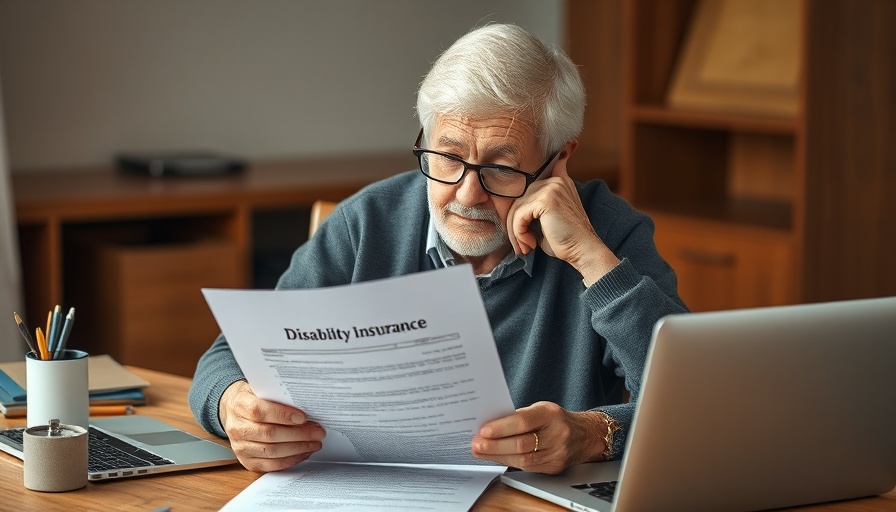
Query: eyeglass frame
[{"x": 530, "y": 178}]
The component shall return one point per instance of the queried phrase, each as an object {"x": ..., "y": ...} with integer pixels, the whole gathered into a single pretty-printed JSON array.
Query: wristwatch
[{"x": 612, "y": 427}]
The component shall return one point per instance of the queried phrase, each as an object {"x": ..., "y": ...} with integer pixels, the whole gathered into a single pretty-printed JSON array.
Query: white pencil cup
[
  {"x": 55, "y": 457},
  {"x": 57, "y": 388}
]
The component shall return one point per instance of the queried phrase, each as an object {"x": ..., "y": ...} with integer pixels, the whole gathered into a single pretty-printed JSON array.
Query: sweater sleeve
[
  {"x": 627, "y": 302},
  {"x": 625, "y": 306},
  {"x": 217, "y": 369}
]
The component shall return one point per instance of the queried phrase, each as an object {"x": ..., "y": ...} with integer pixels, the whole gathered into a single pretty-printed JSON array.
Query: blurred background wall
[
  {"x": 10, "y": 275},
  {"x": 260, "y": 79}
]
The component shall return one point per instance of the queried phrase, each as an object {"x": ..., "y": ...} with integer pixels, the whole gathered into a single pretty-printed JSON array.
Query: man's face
[{"x": 471, "y": 221}]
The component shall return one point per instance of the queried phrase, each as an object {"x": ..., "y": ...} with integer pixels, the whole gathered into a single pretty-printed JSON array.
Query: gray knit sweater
[{"x": 557, "y": 340}]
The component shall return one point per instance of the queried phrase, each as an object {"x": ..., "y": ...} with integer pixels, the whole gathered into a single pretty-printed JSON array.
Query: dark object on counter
[{"x": 159, "y": 165}]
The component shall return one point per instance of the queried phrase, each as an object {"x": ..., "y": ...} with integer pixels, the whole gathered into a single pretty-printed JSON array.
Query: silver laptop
[
  {"x": 752, "y": 409},
  {"x": 126, "y": 446}
]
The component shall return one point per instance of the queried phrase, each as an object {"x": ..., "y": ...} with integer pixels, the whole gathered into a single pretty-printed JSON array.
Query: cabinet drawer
[
  {"x": 143, "y": 304},
  {"x": 720, "y": 268}
]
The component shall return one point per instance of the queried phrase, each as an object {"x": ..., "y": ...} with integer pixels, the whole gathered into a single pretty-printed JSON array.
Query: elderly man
[{"x": 568, "y": 272}]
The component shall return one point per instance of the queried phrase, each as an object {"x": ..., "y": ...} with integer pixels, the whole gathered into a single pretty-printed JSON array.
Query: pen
[
  {"x": 46, "y": 332},
  {"x": 25, "y": 334},
  {"x": 64, "y": 332},
  {"x": 110, "y": 410},
  {"x": 53, "y": 330}
]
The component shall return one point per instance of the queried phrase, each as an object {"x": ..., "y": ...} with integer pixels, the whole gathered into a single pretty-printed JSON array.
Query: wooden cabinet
[
  {"x": 754, "y": 210},
  {"x": 724, "y": 267},
  {"x": 141, "y": 302}
]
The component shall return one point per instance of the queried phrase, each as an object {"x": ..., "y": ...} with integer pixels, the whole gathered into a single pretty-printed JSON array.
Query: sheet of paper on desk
[{"x": 338, "y": 487}]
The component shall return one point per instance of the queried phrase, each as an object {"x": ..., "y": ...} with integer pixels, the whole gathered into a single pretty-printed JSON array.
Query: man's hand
[
  {"x": 266, "y": 436},
  {"x": 564, "y": 438},
  {"x": 551, "y": 215}
]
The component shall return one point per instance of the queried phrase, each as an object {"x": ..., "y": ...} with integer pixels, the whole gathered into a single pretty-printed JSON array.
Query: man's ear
[
  {"x": 562, "y": 159},
  {"x": 567, "y": 149}
]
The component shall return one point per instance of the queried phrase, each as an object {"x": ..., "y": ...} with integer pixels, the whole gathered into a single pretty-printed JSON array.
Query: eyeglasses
[{"x": 497, "y": 180}]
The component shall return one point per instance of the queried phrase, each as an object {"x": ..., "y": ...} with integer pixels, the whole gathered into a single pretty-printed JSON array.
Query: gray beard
[{"x": 469, "y": 243}]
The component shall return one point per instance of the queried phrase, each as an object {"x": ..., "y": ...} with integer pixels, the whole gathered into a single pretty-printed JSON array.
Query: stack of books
[{"x": 109, "y": 383}]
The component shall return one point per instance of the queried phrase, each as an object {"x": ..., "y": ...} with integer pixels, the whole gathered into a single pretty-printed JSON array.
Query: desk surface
[{"x": 210, "y": 489}]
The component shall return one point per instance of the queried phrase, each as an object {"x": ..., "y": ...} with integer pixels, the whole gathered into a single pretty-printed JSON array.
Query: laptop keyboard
[
  {"x": 104, "y": 452},
  {"x": 602, "y": 490}
]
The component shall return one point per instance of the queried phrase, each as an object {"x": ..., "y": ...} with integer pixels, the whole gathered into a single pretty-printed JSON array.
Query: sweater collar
[{"x": 441, "y": 256}]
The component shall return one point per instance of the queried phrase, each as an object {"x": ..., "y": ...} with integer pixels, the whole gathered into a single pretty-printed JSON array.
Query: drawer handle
[{"x": 707, "y": 257}]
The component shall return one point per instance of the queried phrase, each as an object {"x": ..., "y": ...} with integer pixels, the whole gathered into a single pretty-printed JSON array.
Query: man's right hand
[{"x": 266, "y": 436}]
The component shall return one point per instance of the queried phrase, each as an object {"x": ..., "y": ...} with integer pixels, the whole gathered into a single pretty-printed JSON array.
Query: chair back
[{"x": 319, "y": 211}]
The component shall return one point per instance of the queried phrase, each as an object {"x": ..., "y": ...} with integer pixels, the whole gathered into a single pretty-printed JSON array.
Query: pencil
[
  {"x": 25, "y": 334},
  {"x": 111, "y": 410},
  {"x": 41, "y": 344}
]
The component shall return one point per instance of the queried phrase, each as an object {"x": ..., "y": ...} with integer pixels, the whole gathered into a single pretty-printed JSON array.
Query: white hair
[{"x": 501, "y": 69}]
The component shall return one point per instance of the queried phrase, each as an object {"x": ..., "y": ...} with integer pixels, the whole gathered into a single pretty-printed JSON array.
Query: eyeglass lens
[{"x": 494, "y": 180}]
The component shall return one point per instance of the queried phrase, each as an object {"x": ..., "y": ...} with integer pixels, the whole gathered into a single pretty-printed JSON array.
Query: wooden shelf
[
  {"x": 669, "y": 117},
  {"x": 776, "y": 216},
  {"x": 85, "y": 194},
  {"x": 803, "y": 203}
]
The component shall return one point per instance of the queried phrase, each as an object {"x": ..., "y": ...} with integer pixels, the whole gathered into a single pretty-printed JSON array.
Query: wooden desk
[
  {"x": 210, "y": 489},
  {"x": 127, "y": 250}
]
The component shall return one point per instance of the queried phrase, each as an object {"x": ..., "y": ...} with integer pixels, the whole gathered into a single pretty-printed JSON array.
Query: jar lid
[{"x": 55, "y": 429}]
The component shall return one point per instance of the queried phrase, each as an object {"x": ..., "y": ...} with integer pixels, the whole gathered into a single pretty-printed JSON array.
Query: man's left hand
[
  {"x": 564, "y": 438},
  {"x": 551, "y": 215}
]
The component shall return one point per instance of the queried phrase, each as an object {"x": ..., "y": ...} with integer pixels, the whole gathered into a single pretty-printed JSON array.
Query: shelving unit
[
  {"x": 131, "y": 253},
  {"x": 758, "y": 211}
]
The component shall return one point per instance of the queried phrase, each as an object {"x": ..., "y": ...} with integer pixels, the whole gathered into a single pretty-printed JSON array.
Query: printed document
[{"x": 401, "y": 371}]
